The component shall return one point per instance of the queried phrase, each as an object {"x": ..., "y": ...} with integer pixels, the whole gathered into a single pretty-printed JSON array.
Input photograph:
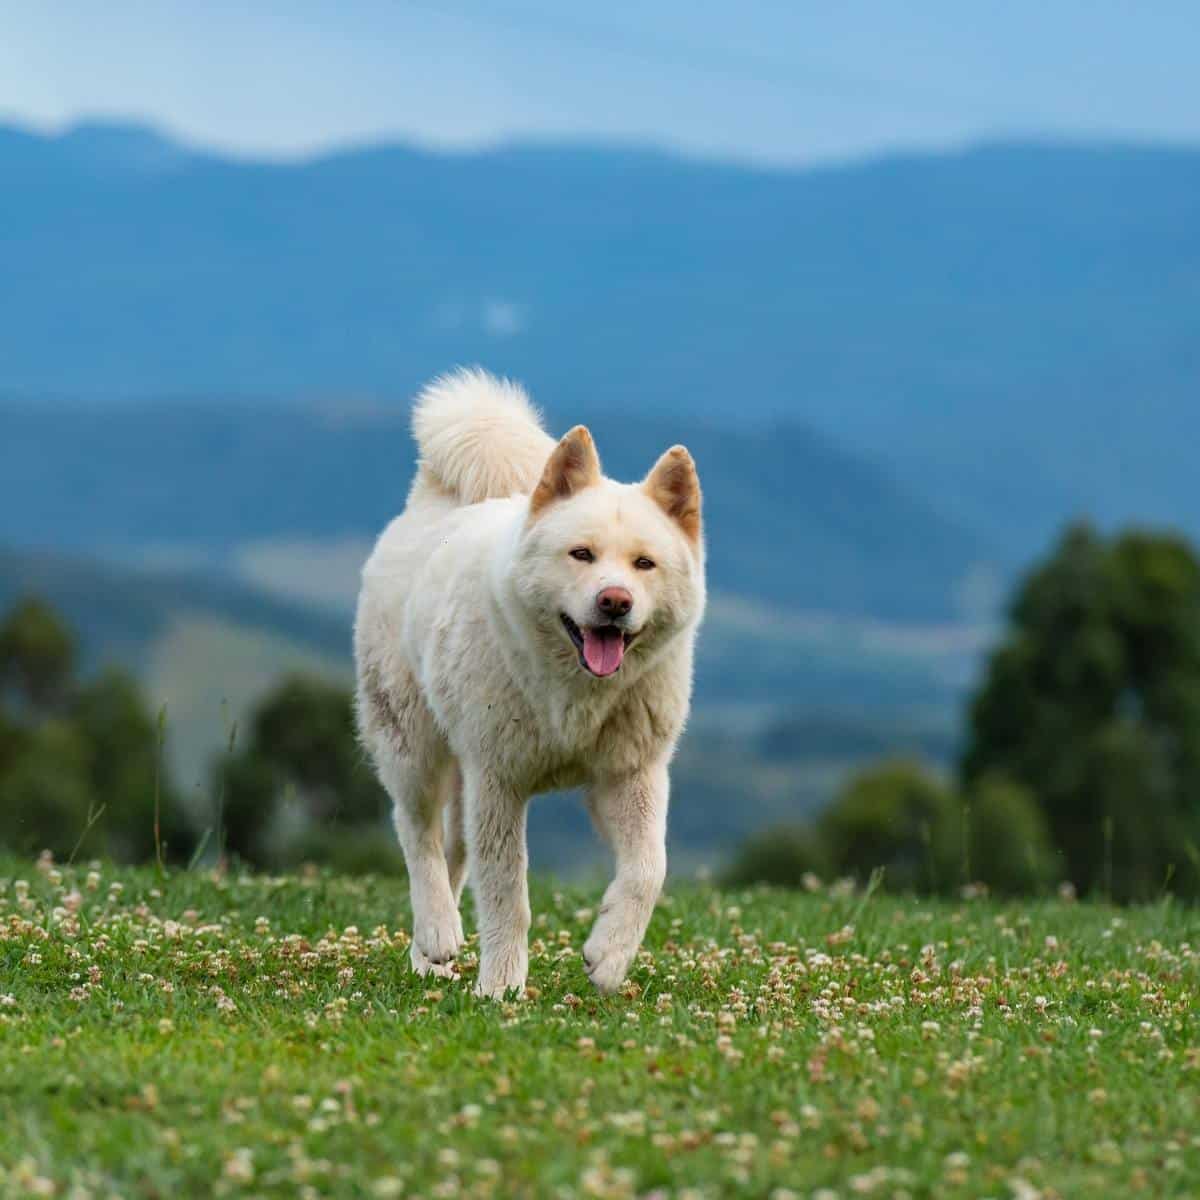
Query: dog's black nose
[{"x": 614, "y": 601}]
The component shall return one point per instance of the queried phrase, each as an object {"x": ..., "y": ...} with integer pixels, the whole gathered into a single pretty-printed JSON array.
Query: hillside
[
  {"x": 207, "y": 647},
  {"x": 792, "y": 521},
  {"x": 1014, "y": 328},
  {"x": 120, "y": 611}
]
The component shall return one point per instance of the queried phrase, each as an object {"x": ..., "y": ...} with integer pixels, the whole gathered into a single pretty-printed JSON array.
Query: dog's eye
[
  {"x": 583, "y": 554},
  {"x": 644, "y": 564}
]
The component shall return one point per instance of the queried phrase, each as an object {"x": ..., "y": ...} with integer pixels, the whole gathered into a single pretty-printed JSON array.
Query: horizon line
[{"x": 129, "y": 123}]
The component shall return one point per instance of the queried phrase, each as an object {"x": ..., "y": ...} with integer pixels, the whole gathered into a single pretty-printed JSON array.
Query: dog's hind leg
[
  {"x": 455, "y": 832},
  {"x": 415, "y": 766}
]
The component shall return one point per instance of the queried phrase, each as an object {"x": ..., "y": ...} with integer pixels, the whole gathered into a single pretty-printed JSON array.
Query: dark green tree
[
  {"x": 1004, "y": 839},
  {"x": 80, "y": 762},
  {"x": 781, "y": 857},
  {"x": 37, "y": 656},
  {"x": 925, "y": 837},
  {"x": 899, "y": 817},
  {"x": 13, "y": 738},
  {"x": 44, "y": 793},
  {"x": 300, "y": 783},
  {"x": 1092, "y": 703},
  {"x": 127, "y": 773}
]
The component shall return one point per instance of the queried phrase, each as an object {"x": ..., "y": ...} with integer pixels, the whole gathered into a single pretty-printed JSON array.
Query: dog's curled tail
[{"x": 479, "y": 438}]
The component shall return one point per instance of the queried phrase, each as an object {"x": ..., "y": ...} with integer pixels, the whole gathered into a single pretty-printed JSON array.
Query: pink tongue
[{"x": 603, "y": 649}]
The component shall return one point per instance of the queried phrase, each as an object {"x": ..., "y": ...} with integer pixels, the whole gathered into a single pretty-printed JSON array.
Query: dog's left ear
[{"x": 675, "y": 487}]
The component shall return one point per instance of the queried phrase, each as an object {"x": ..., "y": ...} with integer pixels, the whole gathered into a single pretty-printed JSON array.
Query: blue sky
[{"x": 782, "y": 82}]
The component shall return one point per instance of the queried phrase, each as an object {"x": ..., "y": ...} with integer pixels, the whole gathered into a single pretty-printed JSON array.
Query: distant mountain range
[
  {"x": 792, "y": 521},
  {"x": 120, "y": 613},
  {"x": 1014, "y": 329}
]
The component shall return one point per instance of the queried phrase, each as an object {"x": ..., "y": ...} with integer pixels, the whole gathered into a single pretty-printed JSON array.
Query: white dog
[{"x": 525, "y": 625}]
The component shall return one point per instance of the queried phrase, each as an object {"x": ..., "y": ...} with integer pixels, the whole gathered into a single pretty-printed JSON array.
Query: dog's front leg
[
  {"x": 498, "y": 863},
  {"x": 631, "y": 812}
]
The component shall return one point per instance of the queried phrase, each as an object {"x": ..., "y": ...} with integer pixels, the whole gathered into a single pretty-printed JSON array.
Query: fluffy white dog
[{"x": 525, "y": 625}]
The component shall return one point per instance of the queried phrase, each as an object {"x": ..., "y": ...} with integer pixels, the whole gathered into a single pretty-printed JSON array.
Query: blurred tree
[
  {"x": 248, "y": 792},
  {"x": 81, "y": 766},
  {"x": 782, "y": 857},
  {"x": 37, "y": 656},
  {"x": 127, "y": 773},
  {"x": 301, "y": 782},
  {"x": 365, "y": 849},
  {"x": 13, "y": 739},
  {"x": 1004, "y": 839},
  {"x": 1092, "y": 702},
  {"x": 79, "y": 762},
  {"x": 899, "y": 817},
  {"x": 44, "y": 793},
  {"x": 305, "y": 727}
]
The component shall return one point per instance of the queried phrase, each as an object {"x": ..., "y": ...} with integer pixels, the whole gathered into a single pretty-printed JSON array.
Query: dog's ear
[
  {"x": 572, "y": 466},
  {"x": 675, "y": 487}
]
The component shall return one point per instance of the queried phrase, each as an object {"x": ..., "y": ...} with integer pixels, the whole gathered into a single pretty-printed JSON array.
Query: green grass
[{"x": 259, "y": 1036}]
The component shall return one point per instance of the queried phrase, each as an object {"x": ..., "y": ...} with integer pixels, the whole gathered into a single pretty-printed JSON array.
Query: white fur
[
  {"x": 471, "y": 695},
  {"x": 479, "y": 437}
]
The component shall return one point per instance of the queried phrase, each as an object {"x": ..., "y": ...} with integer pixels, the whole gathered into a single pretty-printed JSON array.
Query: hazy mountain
[
  {"x": 1015, "y": 328},
  {"x": 792, "y": 521},
  {"x": 207, "y": 649},
  {"x": 121, "y": 612}
]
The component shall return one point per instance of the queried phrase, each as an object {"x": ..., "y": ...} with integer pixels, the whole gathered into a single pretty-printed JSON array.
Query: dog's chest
[{"x": 569, "y": 745}]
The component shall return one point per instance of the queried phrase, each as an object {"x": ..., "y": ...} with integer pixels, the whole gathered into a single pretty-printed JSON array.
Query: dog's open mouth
[{"x": 601, "y": 647}]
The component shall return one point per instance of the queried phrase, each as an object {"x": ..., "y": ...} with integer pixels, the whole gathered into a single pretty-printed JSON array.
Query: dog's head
[{"x": 610, "y": 572}]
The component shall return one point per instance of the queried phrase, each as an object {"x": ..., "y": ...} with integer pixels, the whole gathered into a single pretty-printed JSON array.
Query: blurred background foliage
[
  {"x": 300, "y": 789},
  {"x": 1081, "y": 752},
  {"x": 81, "y": 761},
  {"x": 83, "y": 769},
  {"x": 1080, "y": 762}
]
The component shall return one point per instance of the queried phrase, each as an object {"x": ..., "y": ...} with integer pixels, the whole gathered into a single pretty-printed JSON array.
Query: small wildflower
[{"x": 239, "y": 1166}]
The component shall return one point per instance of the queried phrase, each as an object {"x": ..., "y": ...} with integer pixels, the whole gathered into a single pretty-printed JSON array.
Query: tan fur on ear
[
  {"x": 573, "y": 465},
  {"x": 675, "y": 487}
]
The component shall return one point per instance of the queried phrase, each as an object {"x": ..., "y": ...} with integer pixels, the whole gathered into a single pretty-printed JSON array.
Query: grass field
[{"x": 195, "y": 1035}]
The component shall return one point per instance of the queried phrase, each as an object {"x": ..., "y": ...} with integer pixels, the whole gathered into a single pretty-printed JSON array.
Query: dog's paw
[
  {"x": 438, "y": 936},
  {"x": 607, "y": 956},
  {"x": 502, "y": 974},
  {"x": 500, "y": 991},
  {"x": 423, "y": 966}
]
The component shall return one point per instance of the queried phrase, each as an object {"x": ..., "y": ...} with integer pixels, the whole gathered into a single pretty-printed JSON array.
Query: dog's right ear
[{"x": 572, "y": 466}]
